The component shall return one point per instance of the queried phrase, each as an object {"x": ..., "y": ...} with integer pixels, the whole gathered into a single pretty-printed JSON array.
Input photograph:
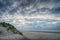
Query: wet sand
[{"x": 42, "y": 35}]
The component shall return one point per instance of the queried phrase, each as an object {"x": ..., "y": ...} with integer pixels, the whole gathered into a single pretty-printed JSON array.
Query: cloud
[
  {"x": 31, "y": 14},
  {"x": 55, "y": 10},
  {"x": 29, "y": 6}
]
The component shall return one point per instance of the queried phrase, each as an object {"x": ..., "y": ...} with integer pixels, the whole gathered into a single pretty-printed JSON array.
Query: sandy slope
[{"x": 8, "y": 35}]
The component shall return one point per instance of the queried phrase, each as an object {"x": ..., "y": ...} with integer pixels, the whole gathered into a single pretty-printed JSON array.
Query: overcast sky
[{"x": 31, "y": 14}]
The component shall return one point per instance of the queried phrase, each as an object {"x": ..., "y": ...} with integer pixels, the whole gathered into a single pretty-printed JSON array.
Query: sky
[{"x": 31, "y": 14}]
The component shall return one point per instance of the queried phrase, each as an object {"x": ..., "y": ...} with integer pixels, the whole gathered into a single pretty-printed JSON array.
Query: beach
[{"x": 33, "y": 35}]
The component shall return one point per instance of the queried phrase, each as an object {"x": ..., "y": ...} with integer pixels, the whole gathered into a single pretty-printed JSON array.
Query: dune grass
[
  {"x": 11, "y": 28},
  {"x": 0, "y": 31}
]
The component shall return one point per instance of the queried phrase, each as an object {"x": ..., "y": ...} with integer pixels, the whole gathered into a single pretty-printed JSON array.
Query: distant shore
[{"x": 48, "y": 31}]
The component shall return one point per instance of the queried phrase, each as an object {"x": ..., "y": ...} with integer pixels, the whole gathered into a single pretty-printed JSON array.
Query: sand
[
  {"x": 32, "y": 36},
  {"x": 29, "y": 35}
]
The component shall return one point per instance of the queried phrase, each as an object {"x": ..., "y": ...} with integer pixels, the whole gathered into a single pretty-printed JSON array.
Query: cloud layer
[{"x": 31, "y": 14}]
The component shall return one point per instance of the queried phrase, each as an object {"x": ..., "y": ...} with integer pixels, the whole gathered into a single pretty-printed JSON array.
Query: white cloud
[{"x": 20, "y": 19}]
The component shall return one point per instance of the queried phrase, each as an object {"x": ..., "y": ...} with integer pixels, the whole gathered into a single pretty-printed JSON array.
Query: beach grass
[{"x": 11, "y": 28}]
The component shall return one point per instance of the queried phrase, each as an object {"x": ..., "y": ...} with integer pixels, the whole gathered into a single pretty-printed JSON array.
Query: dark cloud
[
  {"x": 13, "y": 11},
  {"x": 25, "y": 3},
  {"x": 56, "y": 1},
  {"x": 55, "y": 10},
  {"x": 44, "y": 9},
  {"x": 4, "y": 5},
  {"x": 44, "y": 1},
  {"x": 47, "y": 5},
  {"x": 1, "y": 5}
]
